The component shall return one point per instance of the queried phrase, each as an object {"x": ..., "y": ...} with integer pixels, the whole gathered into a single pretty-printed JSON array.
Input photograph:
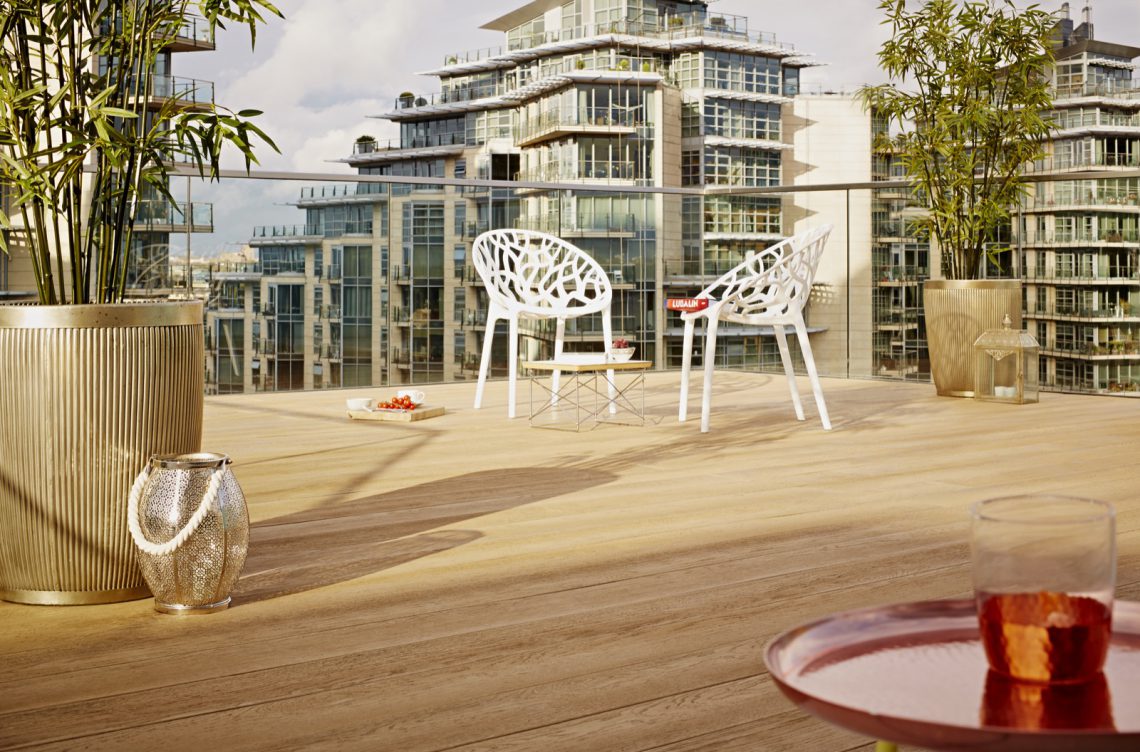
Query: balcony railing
[
  {"x": 535, "y": 75},
  {"x": 418, "y": 142},
  {"x": 1122, "y": 90},
  {"x": 554, "y": 172},
  {"x": 1060, "y": 203},
  {"x": 587, "y": 119},
  {"x": 165, "y": 214},
  {"x": 888, "y": 273},
  {"x": 286, "y": 231},
  {"x": 558, "y": 223},
  {"x": 1094, "y": 118},
  {"x": 195, "y": 29},
  {"x": 696, "y": 23},
  {"x": 1076, "y": 161},
  {"x": 190, "y": 91},
  {"x": 1107, "y": 235},
  {"x": 310, "y": 193}
]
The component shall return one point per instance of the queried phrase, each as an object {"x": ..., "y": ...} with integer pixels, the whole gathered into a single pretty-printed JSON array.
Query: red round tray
[{"x": 916, "y": 674}]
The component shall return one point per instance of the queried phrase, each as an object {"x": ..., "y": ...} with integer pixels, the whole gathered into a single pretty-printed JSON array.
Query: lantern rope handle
[{"x": 209, "y": 501}]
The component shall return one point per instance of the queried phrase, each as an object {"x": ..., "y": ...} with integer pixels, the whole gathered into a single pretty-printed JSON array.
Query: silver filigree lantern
[
  {"x": 1006, "y": 365},
  {"x": 188, "y": 518}
]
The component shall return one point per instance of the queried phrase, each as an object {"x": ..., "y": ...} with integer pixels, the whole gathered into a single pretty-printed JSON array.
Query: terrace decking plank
[{"x": 470, "y": 583}]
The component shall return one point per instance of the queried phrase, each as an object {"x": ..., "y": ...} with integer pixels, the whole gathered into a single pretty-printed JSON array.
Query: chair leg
[
  {"x": 485, "y": 362},
  {"x": 608, "y": 341},
  {"x": 686, "y": 362},
  {"x": 809, "y": 361},
  {"x": 789, "y": 370},
  {"x": 710, "y": 359},
  {"x": 514, "y": 368},
  {"x": 555, "y": 376}
]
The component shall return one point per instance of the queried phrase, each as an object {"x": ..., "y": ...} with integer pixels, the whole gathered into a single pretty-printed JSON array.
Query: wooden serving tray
[{"x": 423, "y": 412}]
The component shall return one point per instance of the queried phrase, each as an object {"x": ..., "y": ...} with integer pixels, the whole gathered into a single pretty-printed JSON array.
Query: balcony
[
  {"x": 475, "y": 579},
  {"x": 1099, "y": 236},
  {"x": 193, "y": 34},
  {"x": 1078, "y": 162},
  {"x": 187, "y": 93},
  {"x": 1123, "y": 92},
  {"x": 659, "y": 33},
  {"x": 623, "y": 172},
  {"x": 584, "y": 121},
  {"x": 162, "y": 216},
  {"x": 1122, "y": 350},
  {"x": 898, "y": 275},
  {"x": 341, "y": 194},
  {"x": 285, "y": 234},
  {"x": 1126, "y": 203},
  {"x": 580, "y": 225}
]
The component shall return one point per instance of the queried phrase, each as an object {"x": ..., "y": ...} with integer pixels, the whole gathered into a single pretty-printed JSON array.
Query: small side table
[
  {"x": 916, "y": 673},
  {"x": 586, "y": 392}
]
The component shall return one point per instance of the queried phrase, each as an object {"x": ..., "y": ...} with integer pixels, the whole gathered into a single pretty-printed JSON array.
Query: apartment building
[
  {"x": 157, "y": 219},
  {"x": 600, "y": 97},
  {"x": 1080, "y": 238},
  {"x": 1076, "y": 241}
]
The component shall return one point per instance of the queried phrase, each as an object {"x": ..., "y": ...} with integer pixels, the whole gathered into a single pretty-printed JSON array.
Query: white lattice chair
[
  {"x": 770, "y": 288},
  {"x": 530, "y": 274}
]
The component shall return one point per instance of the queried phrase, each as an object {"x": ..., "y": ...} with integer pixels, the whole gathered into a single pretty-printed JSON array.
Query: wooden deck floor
[{"x": 471, "y": 583}]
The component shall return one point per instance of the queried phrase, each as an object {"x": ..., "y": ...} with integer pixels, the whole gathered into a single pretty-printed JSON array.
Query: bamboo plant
[
  {"x": 82, "y": 142},
  {"x": 967, "y": 111}
]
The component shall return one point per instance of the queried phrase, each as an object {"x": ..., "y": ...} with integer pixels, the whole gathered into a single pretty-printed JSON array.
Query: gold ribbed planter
[
  {"x": 89, "y": 392},
  {"x": 957, "y": 312}
]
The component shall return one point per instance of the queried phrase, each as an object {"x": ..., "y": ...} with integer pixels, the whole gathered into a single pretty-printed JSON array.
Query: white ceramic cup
[
  {"x": 359, "y": 403},
  {"x": 415, "y": 394}
]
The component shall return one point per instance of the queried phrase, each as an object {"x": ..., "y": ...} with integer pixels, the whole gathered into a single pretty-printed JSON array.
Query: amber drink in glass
[{"x": 1044, "y": 570}]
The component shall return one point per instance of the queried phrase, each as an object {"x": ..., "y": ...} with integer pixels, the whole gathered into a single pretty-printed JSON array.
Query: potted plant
[
  {"x": 365, "y": 144},
  {"x": 968, "y": 116},
  {"x": 89, "y": 130},
  {"x": 406, "y": 99}
]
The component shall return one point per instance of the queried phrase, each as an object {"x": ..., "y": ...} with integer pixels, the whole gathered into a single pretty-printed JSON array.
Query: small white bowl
[
  {"x": 359, "y": 403},
  {"x": 621, "y": 354}
]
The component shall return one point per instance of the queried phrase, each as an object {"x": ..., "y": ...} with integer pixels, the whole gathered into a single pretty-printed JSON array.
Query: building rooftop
[{"x": 469, "y": 582}]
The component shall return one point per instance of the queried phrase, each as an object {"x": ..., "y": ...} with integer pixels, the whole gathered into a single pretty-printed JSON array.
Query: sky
[{"x": 319, "y": 73}]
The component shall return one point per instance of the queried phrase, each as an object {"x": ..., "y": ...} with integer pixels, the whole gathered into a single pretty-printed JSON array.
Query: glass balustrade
[{"x": 355, "y": 281}]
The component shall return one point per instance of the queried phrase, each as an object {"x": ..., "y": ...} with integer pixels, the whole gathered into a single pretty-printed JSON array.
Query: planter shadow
[{"x": 332, "y": 544}]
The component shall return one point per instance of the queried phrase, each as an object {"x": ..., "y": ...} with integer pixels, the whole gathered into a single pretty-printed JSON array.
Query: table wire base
[{"x": 583, "y": 398}]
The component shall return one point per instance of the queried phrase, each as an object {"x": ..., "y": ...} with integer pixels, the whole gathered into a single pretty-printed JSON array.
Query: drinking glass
[{"x": 1044, "y": 570}]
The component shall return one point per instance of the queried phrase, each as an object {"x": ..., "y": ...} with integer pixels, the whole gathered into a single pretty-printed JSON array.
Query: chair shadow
[{"x": 331, "y": 544}]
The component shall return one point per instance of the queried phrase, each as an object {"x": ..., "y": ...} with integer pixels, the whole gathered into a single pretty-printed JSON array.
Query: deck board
[{"x": 470, "y": 583}]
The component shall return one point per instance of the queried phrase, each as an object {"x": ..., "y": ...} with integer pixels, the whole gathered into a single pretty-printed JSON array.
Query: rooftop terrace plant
[
  {"x": 967, "y": 112},
  {"x": 90, "y": 129}
]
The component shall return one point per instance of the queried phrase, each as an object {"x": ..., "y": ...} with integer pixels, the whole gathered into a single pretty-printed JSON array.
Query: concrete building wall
[{"x": 832, "y": 138}]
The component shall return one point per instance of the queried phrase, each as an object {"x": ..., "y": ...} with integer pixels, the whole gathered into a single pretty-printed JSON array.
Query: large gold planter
[
  {"x": 957, "y": 312},
  {"x": 89, "y": 392}
]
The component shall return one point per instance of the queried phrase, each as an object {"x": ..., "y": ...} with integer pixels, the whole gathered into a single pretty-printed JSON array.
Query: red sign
[{"x": 687, "y": 305}]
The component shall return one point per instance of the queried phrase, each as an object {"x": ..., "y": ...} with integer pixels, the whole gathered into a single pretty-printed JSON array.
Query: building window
[
  {"x": 737, "y": 166},
  {"x": 690, "y": 168},
  {"x": 229, "y": 363},
  {"x": 738, "y": 119},
  {"x": 742, "y": 215},
  {"x": 459, "y": 304},
  {"x": 735, "y": 72}
]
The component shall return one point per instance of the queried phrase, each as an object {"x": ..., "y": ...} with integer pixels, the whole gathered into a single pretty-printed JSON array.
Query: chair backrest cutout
[{"x": 539, "y": 273}]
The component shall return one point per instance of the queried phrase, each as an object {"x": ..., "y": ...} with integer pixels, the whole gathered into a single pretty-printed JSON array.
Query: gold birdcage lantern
[{"x": 1006, "y": 367}]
